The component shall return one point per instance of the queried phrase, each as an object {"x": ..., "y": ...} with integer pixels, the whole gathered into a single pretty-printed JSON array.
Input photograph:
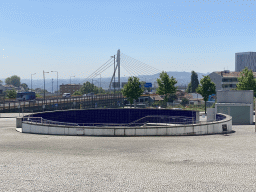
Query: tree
[
  {"x": 25, "y": 86},
  {"x": 11, "y": 94},
  {"x": 142, "y": 83},
  {"x": 166, "y": 85},
  {"x": 194, "y": 81},
  {"x": 88, "y": 88},
  {"x": 13, "y": 80},
  {"x": 246, "y": 80},
  {"x": 1, "y": 81},
  {"x": 189, "y": 88},
  {"x": 172, "y": 97},
  {"x": 206, "y": 88},
  {"x": 132, "y": 90},
  {"x": 77, "y": 93},
  {"x": 101, "y": 91},
  {"x": 7, "y": 81}
]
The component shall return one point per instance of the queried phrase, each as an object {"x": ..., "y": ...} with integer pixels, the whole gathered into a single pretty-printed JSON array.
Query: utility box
[{"x": 238, "y": 104}]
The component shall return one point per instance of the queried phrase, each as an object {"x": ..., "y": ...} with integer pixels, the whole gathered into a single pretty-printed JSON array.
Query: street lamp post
[
  {"x": 31, "y": 81},
  {"x": 44, "y": 84},
  {"x": 100, "y": 81},
  {"x": 114, "y": 76},
  {"x": 57, "y": 83},
  {"x": 70, "y": 79},
  {"x": 100, "y": 78}
]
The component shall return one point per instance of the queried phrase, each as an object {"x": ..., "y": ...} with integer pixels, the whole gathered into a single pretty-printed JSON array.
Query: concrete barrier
[
  {"x": 19, "y": 122},
  {"x": 215, "y": 127}
]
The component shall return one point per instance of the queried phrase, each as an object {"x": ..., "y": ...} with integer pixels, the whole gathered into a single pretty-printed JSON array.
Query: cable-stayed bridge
[{"x": 132, "y": 66}]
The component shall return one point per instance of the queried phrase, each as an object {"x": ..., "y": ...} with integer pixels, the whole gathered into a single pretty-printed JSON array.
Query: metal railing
[
  {"x": 162, "y": 121},
  {"x": 51, "y": 104},
  {"x": 165, "y": 119},
  {"x": 40, "y": 120}
]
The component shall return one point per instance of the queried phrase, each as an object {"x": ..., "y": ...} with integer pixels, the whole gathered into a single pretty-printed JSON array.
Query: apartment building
[
  {"x": 245, "y": 59},
  {"x": 225, "y": 80}
]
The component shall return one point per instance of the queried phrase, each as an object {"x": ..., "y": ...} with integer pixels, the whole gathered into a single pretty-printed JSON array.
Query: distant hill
[{"x": 183, "y": 78}]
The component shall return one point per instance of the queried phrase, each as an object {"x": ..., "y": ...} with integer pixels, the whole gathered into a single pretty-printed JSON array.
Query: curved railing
[
  {"x": 156, "y": 119},
  {"x": 43, "y": 126}
]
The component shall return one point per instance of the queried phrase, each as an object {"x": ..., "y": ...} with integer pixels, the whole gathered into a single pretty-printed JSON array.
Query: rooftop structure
[{"x": 69, "y": 88}]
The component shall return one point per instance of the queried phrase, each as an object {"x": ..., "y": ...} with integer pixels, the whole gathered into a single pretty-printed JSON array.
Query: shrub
[
  {"x": 77, "y": 93},
  {"x": 184, "y": 101},
  {"x": 11, "y": 94}
]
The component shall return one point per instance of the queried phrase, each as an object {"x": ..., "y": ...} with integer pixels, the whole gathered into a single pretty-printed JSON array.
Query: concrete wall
[
  {"x": 195, "y": 129},
  {"x": 238, "y": 104},
  {"x": 19, "y": 122},
  {"x": 242, "y": 114},
  {"x": 217, "y": 79},
  {"x": 211, "y": 114},
  {"x": 234, "y": 96}
]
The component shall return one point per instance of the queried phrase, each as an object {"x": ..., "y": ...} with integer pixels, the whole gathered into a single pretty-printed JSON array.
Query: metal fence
[
  {"x": 165, "y": 119},
  {"x": 59, "y": 103}
]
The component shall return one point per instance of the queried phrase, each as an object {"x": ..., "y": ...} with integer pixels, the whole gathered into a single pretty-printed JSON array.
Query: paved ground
[{"x": 30, "y": 162}]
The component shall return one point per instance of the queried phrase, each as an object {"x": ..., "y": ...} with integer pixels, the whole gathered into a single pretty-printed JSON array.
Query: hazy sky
[{"x": 75, "y": 37}]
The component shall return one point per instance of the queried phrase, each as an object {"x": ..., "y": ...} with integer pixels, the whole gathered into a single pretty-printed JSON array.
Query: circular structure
[{"x": 122, "y": 122}]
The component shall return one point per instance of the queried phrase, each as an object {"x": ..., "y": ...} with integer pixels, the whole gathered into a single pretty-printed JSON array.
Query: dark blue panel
[
  {"x": 148, "y": 85},
  {"x": 110, "y": 115}
]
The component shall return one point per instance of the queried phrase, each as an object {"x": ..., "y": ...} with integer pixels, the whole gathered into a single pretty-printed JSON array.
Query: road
[{"x": 31, "y": 162}]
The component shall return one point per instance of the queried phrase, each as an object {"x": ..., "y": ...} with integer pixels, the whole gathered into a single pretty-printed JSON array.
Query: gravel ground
[{"x": 30, "y": 162}]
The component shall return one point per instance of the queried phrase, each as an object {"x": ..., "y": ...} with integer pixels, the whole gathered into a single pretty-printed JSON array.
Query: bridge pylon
[{"x": 116, "y": 85}]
